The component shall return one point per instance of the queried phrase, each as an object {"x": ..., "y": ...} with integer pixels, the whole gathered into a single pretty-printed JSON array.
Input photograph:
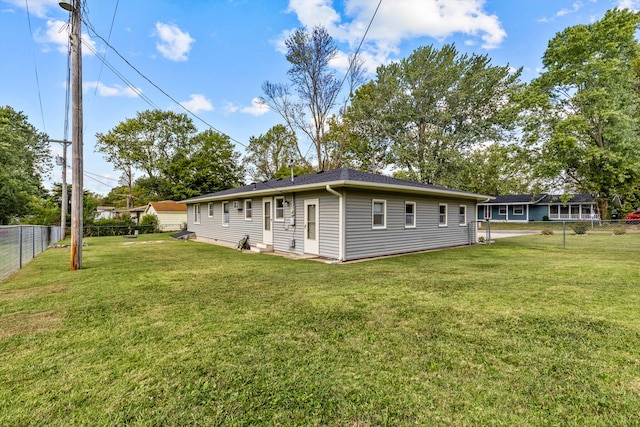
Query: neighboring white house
[
  {"x": 171, "y": 216},
  {"x": 106, "y": 212}
]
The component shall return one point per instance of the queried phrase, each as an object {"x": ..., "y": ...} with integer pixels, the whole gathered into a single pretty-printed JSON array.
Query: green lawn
[{"x": 184, "y": 333}]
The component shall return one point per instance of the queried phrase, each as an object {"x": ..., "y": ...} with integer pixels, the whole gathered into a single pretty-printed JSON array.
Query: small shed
[{"x": 171, "y": 216}]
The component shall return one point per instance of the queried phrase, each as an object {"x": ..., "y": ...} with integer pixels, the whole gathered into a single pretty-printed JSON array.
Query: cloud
[
  {"x": 115, "y": 90},
  {"x": 629, "y": 4},
  {"x": 399, "y": 21},
  {"x": 57, "y": 34},
  {"x": 37, "y": 7},
  {"x": 257, "y": 108},
  {"x": 174, "y": 44},
  {"x": 575, "y": 7},
  {"x": 197, "y": 103}
]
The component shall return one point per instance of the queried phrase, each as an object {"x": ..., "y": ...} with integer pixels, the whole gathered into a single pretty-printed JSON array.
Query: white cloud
[
  {"x": 111, "y": 91},
  {"x": 629, "y": 4},
  {"x": 257, "y": 108},
  {"x": 576, "y": 7},
  {"x": 174, "y": 44},
  {"x": 197, "y": 103},
  {"x": 57, "y": 34},
  {"x": 400, "y": 20},
  {"x": 38, "y": 8}
]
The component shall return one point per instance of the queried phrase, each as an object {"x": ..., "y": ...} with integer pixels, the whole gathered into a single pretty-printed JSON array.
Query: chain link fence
[
  {"x": 19, "y": 244},
  {"x": 554, "y": 233}
]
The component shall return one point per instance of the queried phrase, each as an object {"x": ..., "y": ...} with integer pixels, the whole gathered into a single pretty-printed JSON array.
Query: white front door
[
  {"x": 311, "y": 227},
  {"x": 267, "y": 222}
]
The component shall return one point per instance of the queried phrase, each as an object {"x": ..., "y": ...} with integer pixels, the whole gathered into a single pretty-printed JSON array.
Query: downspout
[{"x": 340, "y": 221}]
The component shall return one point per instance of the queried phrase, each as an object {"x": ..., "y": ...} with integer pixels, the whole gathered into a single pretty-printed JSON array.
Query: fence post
[
  {"x": 20, "y": 236},
  {"x": 564, "y": 234}
]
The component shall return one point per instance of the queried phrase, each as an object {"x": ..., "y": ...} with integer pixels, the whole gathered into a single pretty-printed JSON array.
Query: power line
[
  {"x": 35, "y": 66},
  {"x": 113, "y": 19},
  {"x": 95, "y": 33},
  {"x": 101, "y": 176}
]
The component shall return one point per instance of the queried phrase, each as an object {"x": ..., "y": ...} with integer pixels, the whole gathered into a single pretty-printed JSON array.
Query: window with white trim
[
  {"x": 502, "y": 210},
  {"x": 409, "y": 214},
  {"x": 487, "y": 212},
  {"x": 518, "y": 210},
  {"x": 462, "y": 215},
  {"x": 379, "y": 214},
  {"x": 442, "y": 215},
  {"x": 279, "y": 214},
  {"x": 210, "y": 210},
  {"x": 196, "y": 214},
  {"x": 225, "y": 214},
  {"x": 248, "y": 210}
]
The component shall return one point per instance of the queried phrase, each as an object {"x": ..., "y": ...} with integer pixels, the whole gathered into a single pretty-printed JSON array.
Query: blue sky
[{"x": 213, "y": 56}]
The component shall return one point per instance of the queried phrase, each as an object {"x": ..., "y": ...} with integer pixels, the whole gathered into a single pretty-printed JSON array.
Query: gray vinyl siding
[
  {"x": 363, "y": 242},
  {"x": 212, "y": 228}
]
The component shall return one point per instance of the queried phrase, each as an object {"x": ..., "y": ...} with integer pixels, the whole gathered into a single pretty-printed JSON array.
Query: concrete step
[{"x": 262, "y": 247}]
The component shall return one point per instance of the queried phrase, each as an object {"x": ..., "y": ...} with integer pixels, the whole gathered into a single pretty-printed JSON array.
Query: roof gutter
[{"x": 341, "y": 225}]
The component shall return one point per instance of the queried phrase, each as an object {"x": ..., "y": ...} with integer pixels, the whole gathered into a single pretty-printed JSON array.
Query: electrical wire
[
  {"x": 113, "y": 19},
  {"x": 35, "y": 66},
  {"x": 101, "y": 176},
  {"x": 96, "y": 34}
]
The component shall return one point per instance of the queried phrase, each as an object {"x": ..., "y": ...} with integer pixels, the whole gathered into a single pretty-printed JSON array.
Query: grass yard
[{"x": 184, "y": 333}]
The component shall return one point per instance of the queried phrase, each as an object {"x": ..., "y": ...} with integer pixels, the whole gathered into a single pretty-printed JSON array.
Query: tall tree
[
  {"x": 584, "y": 115},
  {"x": 435, "y": 107},
  {"x": 25, "y": 160},
  {"x": 316, "y": 86},
  {"x": 268, "y": 153},
  {"x": 209, "y": 164},
  {"x": 148, "y": 142}
]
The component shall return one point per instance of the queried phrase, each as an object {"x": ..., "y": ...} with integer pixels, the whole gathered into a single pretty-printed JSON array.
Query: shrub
[
  {"x": 545, "y": 218},
  {"x": 481, "y": 239},
  {"x": 619, "y": 231},
  {"x": 149, "y": 221},
  {"x": 547, "y": 232},
  {"x": 580, "y": 228}
]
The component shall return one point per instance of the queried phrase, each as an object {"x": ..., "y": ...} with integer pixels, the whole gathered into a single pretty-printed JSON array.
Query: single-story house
[
  {"x": 137, "y": 212},
  {"x": 171, "y": 215},
  {"x": 341, "y": 214},
  {"x": 107, "y": 212},
  {"x": 530, "y": 207}
]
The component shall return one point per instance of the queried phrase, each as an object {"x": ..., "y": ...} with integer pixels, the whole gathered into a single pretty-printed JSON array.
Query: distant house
[
  {"x": 171, "y": 215},
  {"x": 106, "y": 212},
  {"x": 529, "y": 207},
  {"x": 341, "y": 214},
  {"x": 137, "y": 212}
]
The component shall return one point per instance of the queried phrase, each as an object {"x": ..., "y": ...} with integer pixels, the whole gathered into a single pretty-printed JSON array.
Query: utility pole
[
  {"x": 76, "y": 133},
  {"x": 65, "y": 202}
]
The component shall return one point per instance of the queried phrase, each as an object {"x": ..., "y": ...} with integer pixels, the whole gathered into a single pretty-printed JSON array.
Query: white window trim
[
  {"x": 521, "y": 207},
  {"x": 463, "y": 224},
  {"x": 248, "y": 210},
  {"x": 225, "y": 224},
  {"x": 414, "y": 214},
  {"x": 502, "y": 210},
  {"x": 210, "y": 209},
  {"x": 446, "y": 215},
  {"x": 196, "y": 213},
  {"x": 275, "y": 209},
  {"x": 487, "y": 210},
  {"x": 384, "y": 214}
]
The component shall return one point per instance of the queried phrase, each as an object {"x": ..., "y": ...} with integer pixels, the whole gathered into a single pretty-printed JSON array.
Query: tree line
[{"x": 438, "y": 116}]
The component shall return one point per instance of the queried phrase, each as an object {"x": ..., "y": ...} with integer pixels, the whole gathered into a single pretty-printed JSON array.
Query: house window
[
  {"x": 196, "y": 214},
  {"x": 379, "y": 214},
  {"x": 279, "y": 209},
  {"x": 502, "y": 210},
  {"x": 210, "y": 210},
  {"x": 518, "y": 210},
  {"x": 225, "y": 214},
  {"x": 442, "y": 217},
  {"x": 487, "y": 212},
  {"x": 462, "y": 215},
  {"x": 248, "y": 210},
  {"x": 409, "y": 214}
]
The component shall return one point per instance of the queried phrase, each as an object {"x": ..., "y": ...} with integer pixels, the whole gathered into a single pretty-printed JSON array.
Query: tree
[
  {"x": 25, "y": 160},
  {"x": 270, "y": 152},
  {"x": 148, "y": 143},
  {"x": 584, "y": 112},
  {"x": 435, "y": 108},
  {"x": 317, "y": 88},
  {"x": 209, "y": 164}
]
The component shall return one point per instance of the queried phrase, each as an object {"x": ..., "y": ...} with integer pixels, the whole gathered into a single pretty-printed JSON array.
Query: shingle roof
[
  {"x": 168, "y": 206},
  {"x": 539, "y": 199},
  {"x": 338, "y": 177}
]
